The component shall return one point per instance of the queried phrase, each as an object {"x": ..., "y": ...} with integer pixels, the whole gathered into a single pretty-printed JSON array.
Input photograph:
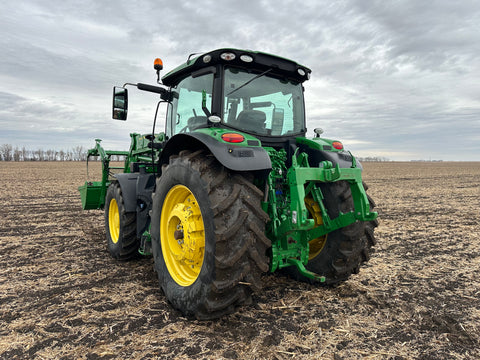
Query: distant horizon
[{"x": 79, "y": 153}]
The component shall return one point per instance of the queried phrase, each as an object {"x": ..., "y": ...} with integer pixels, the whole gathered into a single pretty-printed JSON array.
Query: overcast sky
[{"x": 397, "y": 79}]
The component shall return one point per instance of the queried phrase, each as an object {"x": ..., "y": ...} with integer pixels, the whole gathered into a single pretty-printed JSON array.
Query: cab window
[
  {"x": 262, "y": 105},
  {"x": 186, "y": 112}
]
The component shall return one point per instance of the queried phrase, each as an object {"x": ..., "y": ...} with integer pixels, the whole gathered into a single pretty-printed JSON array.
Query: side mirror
[{"x": 120, "y": 103}]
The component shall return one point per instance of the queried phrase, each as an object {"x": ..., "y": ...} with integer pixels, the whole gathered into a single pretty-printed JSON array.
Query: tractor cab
[{"x": 250, "y": 92}]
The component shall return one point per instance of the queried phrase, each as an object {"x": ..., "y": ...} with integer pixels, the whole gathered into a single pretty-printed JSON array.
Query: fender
[
  {"x": 233, "y": 157},
  {"x": 128, "y": 185},
  {"x": 344, "y": 159},
  {"x": 137, "y": 189}
]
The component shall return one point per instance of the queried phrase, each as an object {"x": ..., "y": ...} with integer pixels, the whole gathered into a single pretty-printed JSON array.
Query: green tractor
[{"x": 233, "y": 188}]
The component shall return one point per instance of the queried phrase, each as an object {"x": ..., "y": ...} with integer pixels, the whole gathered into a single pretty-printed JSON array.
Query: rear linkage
[{"x": 291, "y": 228}]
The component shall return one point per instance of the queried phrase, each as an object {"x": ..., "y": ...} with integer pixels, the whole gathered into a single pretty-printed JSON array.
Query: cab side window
[{"x": 186, "y": 112}]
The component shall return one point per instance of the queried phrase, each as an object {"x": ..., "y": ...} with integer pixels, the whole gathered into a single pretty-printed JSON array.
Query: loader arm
[{"x": 93, "y": 193}]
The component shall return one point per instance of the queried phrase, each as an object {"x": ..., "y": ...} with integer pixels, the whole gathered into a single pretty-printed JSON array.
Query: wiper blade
[{"x": 249, "y": 81}]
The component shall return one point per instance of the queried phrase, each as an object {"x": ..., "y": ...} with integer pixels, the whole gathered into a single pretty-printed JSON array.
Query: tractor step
[{"x": 145, "y": 248}]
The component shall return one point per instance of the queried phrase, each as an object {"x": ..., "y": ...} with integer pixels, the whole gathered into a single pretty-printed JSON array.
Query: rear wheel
[
  {"x": 120, "y": 226},
  {"x": 341, "y": 252},
  {"x": 208, "y": 237}
]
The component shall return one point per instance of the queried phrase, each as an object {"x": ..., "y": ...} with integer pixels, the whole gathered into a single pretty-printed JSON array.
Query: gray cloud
[{"x": 397, "y": 79}]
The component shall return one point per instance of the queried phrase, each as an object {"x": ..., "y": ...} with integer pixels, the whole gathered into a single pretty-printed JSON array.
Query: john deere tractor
[{"x": 233, "y": 188}]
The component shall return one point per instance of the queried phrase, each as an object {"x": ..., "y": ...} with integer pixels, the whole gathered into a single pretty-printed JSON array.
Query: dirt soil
[{"x": 63, "y": 297}]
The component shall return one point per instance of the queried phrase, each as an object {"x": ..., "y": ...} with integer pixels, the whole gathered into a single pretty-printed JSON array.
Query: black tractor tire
[
  {"x": 120, "y": 226},
  {"x": 345, "y": 249},
  {"x": 235, "y": 245}
]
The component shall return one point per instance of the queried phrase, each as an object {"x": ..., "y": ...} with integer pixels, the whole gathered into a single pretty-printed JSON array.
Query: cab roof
[{"x": 253, "y": 60}]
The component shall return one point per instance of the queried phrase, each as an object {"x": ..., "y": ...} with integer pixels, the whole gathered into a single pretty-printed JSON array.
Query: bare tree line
[
  {"x": 10, "y": 153},
  {"x": 78, "y": 153},
  {"x": 373, "y": 159}
]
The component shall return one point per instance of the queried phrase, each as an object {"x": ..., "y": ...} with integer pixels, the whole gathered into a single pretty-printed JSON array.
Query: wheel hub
[
  {"x": 182, "y": 235},
  {"x": 315, "y": 245},
  {"x": 114, "y": 221}
]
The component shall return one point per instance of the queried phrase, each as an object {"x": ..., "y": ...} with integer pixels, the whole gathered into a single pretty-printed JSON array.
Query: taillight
[
  {"x": 233, "y": 138},
  {"x": 337, "y": 145}
]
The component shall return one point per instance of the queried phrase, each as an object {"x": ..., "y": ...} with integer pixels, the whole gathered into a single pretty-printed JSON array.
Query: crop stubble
[{"x": 62, "y": 296}]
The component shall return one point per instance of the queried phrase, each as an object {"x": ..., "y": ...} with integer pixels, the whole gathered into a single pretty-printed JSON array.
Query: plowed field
[{"x": 63, "y": 297}]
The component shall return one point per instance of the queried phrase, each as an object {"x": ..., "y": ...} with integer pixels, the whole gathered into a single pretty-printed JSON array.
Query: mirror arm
[
  {"x": 149, "y": 88},
  {"x": 164, "y": 93}
]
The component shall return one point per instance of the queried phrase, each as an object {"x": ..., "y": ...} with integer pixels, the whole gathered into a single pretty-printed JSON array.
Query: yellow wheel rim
[
  {"x": 114, "y": 221},
  {"x": 315, "y": 245},
  {"x": 182, "y": 235}
]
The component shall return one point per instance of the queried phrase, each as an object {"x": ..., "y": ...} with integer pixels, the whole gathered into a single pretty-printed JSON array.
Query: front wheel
[
  {"x": 120, "y": 226},
  {"x": 208, "y": 238}
]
